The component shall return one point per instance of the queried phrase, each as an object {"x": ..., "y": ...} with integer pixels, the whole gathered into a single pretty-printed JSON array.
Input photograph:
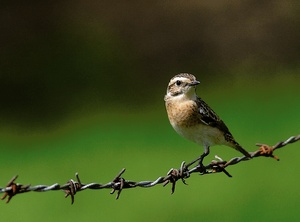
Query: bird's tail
[
  {"x": 241, "y": 149},
  {"x": 231, "y": 142}
]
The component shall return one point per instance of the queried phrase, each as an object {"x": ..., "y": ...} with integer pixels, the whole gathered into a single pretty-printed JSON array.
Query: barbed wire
[{"x": 118, "y": 184}]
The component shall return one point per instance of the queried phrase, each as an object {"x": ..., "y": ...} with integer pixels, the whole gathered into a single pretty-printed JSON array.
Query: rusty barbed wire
[{"x": 118, "y": 184}]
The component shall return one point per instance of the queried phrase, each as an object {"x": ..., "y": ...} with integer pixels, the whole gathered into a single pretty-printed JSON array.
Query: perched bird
[{"x": 193, "y": 119}]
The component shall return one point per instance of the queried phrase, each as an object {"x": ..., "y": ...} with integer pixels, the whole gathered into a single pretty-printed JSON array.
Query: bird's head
[{"x": 183, "y": 84}]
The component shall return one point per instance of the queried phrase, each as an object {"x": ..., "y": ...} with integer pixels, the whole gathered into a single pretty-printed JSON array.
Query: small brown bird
[{"x": 193, "y": 119}]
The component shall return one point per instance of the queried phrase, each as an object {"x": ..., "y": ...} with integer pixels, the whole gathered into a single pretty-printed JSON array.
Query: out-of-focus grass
[{"x": 99, "y": 146}]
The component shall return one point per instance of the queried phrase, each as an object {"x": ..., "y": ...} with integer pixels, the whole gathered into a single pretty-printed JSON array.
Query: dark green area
[{"x": 60, "y": 57}]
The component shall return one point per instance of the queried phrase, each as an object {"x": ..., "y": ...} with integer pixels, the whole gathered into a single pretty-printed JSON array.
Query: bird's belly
[{"x": 201, "y": 134}]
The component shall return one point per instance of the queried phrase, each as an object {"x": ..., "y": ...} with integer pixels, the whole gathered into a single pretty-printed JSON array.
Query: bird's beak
[{"x": 194, "y": 83}]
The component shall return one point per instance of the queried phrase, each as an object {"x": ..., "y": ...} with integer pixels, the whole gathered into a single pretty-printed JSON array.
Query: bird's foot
[{"x": 201, "y": 167}]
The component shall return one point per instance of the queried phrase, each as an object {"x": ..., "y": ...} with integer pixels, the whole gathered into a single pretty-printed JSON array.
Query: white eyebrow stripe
[{"x": 178, "y": 78}]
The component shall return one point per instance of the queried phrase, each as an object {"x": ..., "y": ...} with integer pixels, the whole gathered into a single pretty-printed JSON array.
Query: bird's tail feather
[{"x": 241, "y": 149}]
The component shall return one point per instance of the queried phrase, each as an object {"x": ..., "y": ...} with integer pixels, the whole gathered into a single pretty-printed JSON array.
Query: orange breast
[{"x": 183, "y": 114}]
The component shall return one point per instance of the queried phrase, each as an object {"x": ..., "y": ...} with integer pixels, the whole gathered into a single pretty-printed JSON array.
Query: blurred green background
[{"x": 81, "y": 90}]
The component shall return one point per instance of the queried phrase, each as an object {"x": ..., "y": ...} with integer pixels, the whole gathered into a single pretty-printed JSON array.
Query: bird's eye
[{"x": 178, "y": 82}]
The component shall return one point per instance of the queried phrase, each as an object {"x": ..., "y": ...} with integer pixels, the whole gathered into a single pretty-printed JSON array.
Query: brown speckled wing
[{"x": 210, "y": 118}]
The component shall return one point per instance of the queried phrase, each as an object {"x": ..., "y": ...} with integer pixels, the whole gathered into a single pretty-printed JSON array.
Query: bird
[{"x": 193, "y": 119}]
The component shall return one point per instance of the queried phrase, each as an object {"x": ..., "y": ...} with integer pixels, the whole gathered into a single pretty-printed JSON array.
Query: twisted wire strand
[{"x": 119, "y": 183}]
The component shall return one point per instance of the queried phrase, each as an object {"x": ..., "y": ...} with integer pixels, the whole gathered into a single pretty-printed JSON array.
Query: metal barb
[
  {"x": 118, "y": 184},
  {"x": 13, "y": 188},
  {"x": 72, "y": 187},
  {"x": 12, "y": 191}
]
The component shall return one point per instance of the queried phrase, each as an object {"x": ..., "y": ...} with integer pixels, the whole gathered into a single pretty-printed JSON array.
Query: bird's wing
[{"x": 209, "y": 117}]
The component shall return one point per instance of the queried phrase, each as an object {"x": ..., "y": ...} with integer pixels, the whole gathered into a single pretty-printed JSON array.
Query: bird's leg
[{"x": 201, "y": 158}]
